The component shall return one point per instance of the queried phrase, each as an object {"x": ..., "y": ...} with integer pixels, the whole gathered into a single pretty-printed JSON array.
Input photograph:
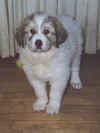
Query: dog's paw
[
  {"x": 76, "y": 84},
  {"x": 52, "y": 109},
  {"x": 39, "y": 105}
]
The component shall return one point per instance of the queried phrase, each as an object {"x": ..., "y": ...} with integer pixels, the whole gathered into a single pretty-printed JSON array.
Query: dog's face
[{"x": 40, "y": 32}]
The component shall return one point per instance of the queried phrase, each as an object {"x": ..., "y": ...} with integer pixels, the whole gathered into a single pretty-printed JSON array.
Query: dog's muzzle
[{"x": 40, "y": 43}]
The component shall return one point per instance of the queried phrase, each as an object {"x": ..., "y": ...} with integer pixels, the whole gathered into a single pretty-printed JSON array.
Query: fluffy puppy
[{"x": 50, "y": 49}]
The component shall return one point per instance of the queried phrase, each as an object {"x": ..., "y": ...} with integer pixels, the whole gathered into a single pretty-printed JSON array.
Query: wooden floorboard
[{"x": 80, "y": 111}]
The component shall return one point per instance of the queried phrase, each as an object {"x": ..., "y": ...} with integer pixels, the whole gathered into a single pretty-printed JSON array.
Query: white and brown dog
[{"x": 50, "y": 49}]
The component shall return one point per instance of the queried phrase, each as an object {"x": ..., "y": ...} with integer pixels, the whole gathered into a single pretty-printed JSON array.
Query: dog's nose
[{"x": 38, "y": 44}]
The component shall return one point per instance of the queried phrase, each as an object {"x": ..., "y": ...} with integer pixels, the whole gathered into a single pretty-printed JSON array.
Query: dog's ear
[
  {"x": 61, "y": 32},
  {"x": 20, "y": 31},
  {"x": 20, "y": 34}
]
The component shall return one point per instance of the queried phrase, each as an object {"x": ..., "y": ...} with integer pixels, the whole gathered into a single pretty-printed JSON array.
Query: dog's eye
[
  {"x": 32, "y": 31},
  {"x": 46, "y": 31}
]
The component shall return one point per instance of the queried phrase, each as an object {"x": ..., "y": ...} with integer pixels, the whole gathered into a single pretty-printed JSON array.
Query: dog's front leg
[
  {"x": 39, "y": 87},
  {"x": 41, "y": 94},
  {"x": 57, "y": 90}
]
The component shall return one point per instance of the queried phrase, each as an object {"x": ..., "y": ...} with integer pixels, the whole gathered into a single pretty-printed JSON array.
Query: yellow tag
[{"x": 19, "y": 63}]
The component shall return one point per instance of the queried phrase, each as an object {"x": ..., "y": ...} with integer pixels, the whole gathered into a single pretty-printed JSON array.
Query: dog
[{"x": 50, "y": 50}]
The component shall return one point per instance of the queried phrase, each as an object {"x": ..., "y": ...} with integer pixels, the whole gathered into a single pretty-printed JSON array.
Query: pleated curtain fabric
[
  {"x": 4, "y": 37},
  {"x": 12, "y": 12}
]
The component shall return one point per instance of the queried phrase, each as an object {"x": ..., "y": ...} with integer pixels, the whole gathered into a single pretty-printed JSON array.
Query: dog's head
[{"x": 40, "y": 32}]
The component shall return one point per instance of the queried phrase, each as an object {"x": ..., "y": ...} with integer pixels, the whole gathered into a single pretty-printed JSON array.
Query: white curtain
[
  {"x": 12, "y": 13},
  {"x": 4, "y": 37}
]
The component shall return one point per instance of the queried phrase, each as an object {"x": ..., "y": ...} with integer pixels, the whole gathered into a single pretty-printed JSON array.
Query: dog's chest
[
  {"x": 40, "y": 71},
  {"x": 39, "y": 66}
]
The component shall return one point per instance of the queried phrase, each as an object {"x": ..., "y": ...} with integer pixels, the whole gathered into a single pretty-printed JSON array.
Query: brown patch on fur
[
  {"x": 20, "y": 33},
  {"x": 61, "y": 33}
]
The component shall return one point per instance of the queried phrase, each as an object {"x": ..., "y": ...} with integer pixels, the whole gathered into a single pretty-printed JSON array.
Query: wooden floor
[{"x": 80, "y": 111}]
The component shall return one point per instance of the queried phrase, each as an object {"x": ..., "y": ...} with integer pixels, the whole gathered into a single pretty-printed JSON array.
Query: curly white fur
[{"x": 55, "y": 66}]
